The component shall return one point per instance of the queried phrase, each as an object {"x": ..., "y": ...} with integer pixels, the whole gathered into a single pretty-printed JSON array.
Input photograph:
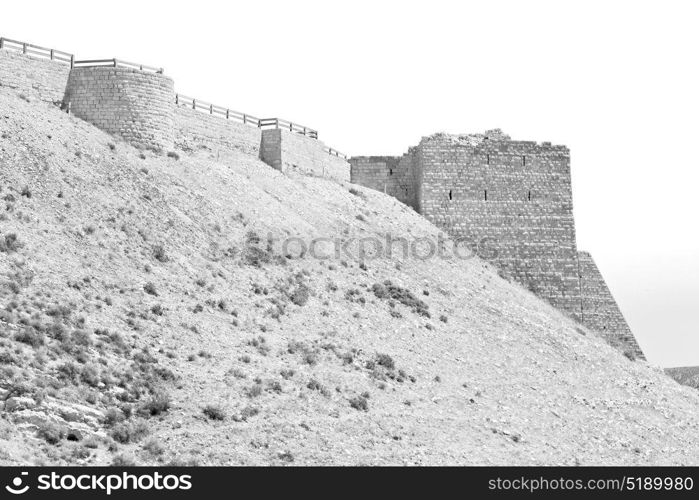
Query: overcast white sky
[{"x": 618, "y": 82}]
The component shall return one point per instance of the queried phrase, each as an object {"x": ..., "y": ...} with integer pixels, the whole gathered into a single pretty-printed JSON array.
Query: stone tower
[{"x": 516, "y": 195}]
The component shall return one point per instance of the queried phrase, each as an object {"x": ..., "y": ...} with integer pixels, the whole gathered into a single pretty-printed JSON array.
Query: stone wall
[
  {"x": 135, "y": 105},
  {"x": 600, "y": 311},
  {"x": 290, "y": 152},
  {"x": 393, "y": 175},
  {"x": 37, "y": 78},
  {"x": 513, "y": 198},
  {"x": 511, "y": 202},
  {"x": 195, "y": 130}
]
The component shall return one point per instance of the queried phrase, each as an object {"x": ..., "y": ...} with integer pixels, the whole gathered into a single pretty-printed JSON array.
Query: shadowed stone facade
[
  {"x": 134, "y": 105},
  {"x": 513, "y": 198}
]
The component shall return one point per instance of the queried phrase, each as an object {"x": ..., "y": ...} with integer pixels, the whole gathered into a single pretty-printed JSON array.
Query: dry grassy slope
[{"x": 507, "y": 380}]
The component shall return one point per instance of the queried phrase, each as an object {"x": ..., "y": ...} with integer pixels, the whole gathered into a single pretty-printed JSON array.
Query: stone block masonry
[
  {"x": 510, "y": 201},
  {"x": 195, "y": 130},
  {"x": 600, "y": 311},
  {"x": 288, "y": 152},
  {"x": 393, "y": 175},
  {"x": 36, "y": 78},
  {"x": 135, "y": 105}
]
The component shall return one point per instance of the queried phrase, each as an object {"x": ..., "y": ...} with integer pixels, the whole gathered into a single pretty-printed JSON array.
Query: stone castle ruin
[
  {"x": 138, "y": 104},
  {"x": 516, "y": 195},
  {"x": 515, "y": 199}
]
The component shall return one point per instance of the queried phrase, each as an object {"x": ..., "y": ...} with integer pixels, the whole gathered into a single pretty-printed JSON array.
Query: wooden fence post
[
  {"x": 2, "y": 42},
  {"x": 72, "y": 61},
  {"x": 24, "y": 48},
  {"x": 194, "y": 104}
]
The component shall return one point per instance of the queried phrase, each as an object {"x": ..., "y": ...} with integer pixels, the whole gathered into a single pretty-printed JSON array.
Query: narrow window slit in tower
[
  {"x": 529, "y": 196},
  {"x": 486, "y": 194},
  {"x": 450, "y": 195},
  {"x": 524, "y": 161},
  {"x": 487, "y": 159}
]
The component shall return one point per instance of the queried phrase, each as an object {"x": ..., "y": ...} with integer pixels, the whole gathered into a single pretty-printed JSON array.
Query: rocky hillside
[{"x": 149, "y": 313}]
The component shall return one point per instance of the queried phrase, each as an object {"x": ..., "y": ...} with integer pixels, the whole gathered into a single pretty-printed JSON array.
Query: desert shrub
[
  {"x": 154, "y": 447},
  {"x": 300, "y": 295},
  {"x": 310, "y": 357},
  {"x": 254, "y": 390},
  {"x": 173, "y": 155},
  {"x": 357, "y": 193},
  {"x": 359, "y": 403},
  {"x": 354, "y": 295},
  {"x": 50, "y": 432},
  {"x": 113, "y": 416},
  {"x": 81, "y": 337},
  {"x": 630, "y": 354},
  {"x": 69, "y": 371},
  {"x": 360, "y": 217},
  {"x": 26, "y": 192},
  {"x": 213, "y": 412},
  {"x": 160, "y": 254},
  {"x": 257, "y": 257},
  {"x": 314, "y": 385},
  {"x": 236, "y": 373},
  {"x": 389, "y": 291},
  {"x": 123, "y": 460},
  {"x": 386, "y": 361},
  {"x": 287, "y": 374},
  {"x": 111, "y": 146},
  {"x": 30, "y": 337},
  {"x": 274, "y": 386},
  {"x": 9, "y": 243},
  {"x": 158, "y": 403},
  {"x": 150, "y": 289},
  {"x": 129, "y": 432},
  {"x": 248, "y": 411},
  {"x": 157, "y": 310},
  {"x": 260, "y": 344},
  {"x": 90, "y": 375}
]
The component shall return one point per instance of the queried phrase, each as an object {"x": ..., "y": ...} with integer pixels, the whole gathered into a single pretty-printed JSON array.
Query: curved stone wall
[{"x": 135, "y": 105}]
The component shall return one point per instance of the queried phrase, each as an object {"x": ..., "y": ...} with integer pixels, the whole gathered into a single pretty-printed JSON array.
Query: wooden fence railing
[
  {"x": 229, "y": 114},
  {"x": 287, "y": 125},
  {"x": 115, "y": 63},
  {"x": 335, "y": 152},
  {"x": 213, "y": 109},
  {"x": 36, "y": 50}
]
